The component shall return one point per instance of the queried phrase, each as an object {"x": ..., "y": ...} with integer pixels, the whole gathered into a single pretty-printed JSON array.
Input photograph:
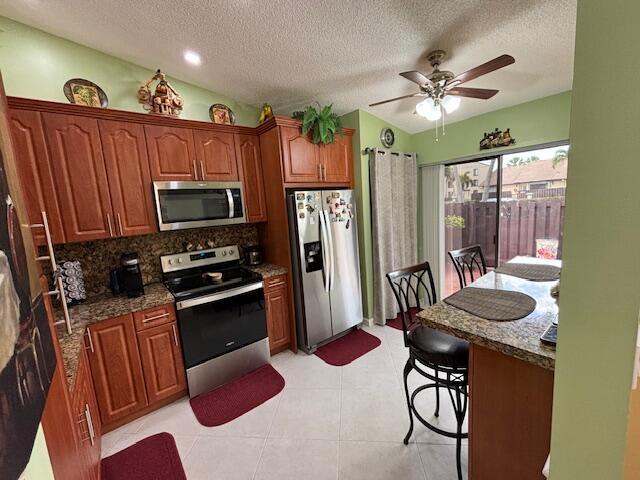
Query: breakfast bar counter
[{"x": 510, "y": 379}]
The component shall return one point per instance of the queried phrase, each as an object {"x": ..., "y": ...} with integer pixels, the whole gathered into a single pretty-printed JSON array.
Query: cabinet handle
[
  {"x": 319, "y": 172},
  {"x": 109, "y": 223},
  {"x": 155, "y": 317},
  {"x": 201, "y": 170},
  {"x": 277, "y": 284},
  {"x": 120, "y": 224},
  {"x": 175, "y": 335},
  {"x": 92, "y": 433},
  {"x": 195, "y": 170},
  {"x": 88, "y": 334}
]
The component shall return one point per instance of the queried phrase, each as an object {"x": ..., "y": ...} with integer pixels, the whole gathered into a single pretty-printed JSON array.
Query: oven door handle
[
  {"x": 232, "y": 206},
  {"x": 214, "y": 297}
]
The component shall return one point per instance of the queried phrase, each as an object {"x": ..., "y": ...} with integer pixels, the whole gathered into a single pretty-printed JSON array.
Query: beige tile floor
[{"x": 328, "y": 423}]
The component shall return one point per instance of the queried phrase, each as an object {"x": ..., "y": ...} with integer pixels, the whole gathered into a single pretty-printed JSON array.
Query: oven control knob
[
  {"x": 170, "y": 261},
  {"x": 224, "y": 253},
  {"x": 179, "y": 260},
  {"x": 231, "y": 251}
]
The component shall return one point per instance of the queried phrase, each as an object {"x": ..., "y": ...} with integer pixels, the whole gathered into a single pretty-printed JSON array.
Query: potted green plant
[{"x": 323, "y": 122}]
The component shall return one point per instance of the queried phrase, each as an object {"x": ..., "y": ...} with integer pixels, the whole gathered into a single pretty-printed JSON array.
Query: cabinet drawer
[
  {"x": 152, "y": 317},
  {"x": 275, "y": 282}
]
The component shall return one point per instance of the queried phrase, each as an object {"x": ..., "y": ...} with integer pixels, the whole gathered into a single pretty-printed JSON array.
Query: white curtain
[
  {"x": 394, "y": 193},
  {"x": 432, "y": 222}
]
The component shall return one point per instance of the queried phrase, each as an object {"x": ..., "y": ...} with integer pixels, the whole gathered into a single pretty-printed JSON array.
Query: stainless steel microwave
[{"x": 198, "y": 204}]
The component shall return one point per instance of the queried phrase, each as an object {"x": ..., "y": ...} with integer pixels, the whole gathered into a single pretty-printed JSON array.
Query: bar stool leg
[
  {"x": 407, "y": 369},
  {"x": 437, "y": 412}
]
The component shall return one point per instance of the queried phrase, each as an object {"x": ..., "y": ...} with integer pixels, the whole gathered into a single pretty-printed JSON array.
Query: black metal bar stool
[
  {"x": 446, "y": 355},
  {"x": 466, "y": 261}
]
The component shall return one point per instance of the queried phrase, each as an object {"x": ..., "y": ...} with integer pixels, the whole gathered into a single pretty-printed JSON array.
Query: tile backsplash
[{"x": 98, "y": 257}]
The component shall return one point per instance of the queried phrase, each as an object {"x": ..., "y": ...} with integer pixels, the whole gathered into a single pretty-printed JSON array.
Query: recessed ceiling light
[{"x": 192, "y": 57}]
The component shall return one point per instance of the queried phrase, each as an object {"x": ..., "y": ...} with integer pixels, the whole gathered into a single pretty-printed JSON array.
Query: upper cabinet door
[
  {"x": 337, "y": 160},
  {"x": 301, "y": 158},
  {"x": 216, "y": 156},
  {"x": 34, "y": 171},
  {"x": 248, "y": 148},
  {"x": 80, "y": 176},
  {"x": 171, "y": 153},
  {"x": 125, "y": 156}
]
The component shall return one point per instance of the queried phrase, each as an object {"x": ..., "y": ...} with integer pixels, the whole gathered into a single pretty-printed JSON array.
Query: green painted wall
[
  {"x": 35, "y": 64},
  {"x": 533, "y": 123},
  {"x": 600, "y": 299},
  {"x": 39, "y": 466},
  {"x": 368, "y": 129}
]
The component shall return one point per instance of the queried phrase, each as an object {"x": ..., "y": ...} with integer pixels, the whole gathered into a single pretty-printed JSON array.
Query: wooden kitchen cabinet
[
  {"x": 317, "y": 165},
  {"x": 34, "y": 170},
  {"x": 162, "y": 361},
  {"x": 84, "y": 410},
  {"x": 129, "y": 178},
  {"x": 80, "y": 176},
  {"x": 216, "y": 156},
  {"x": 250, "y": 162},
  {"x": 276, "y": 299},
  {"x": 172, "y": 154},
  {"x": 116, "y": 368},
  {"x": 300, "y": 157},
  {"x": 337, "y": 161}
]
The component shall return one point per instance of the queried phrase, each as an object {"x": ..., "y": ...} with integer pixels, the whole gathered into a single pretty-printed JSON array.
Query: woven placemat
[
  {"x": 500, "y": 305},
  {"x": 530, "y": 271}
]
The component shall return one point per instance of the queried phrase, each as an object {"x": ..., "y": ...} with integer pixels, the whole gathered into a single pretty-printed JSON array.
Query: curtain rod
[{"x": 375, "y": 149}]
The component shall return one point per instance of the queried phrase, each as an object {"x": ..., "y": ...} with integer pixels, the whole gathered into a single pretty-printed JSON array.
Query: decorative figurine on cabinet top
[{"x": 164, "y": 100}]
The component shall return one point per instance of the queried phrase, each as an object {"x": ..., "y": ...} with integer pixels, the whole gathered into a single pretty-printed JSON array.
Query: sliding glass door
[
  {"x": 510, "y": 205},
  {"x": 470, "y": 212},
  {"x": 532, "y": 203}
]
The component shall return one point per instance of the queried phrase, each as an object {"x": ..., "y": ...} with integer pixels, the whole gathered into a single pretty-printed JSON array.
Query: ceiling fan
[{"x": 442, "y": 88}]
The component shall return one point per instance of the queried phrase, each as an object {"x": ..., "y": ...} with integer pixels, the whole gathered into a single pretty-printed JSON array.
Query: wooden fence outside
[{"x": 522, "y": 222}]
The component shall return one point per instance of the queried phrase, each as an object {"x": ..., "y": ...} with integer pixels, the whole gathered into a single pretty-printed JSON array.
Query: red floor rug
[
  {"x": 236, "y": 398},
  {"x": 153, "y": 458},
  {"x": 346, "y": 349},
  {"x": 397, "y": 322}
]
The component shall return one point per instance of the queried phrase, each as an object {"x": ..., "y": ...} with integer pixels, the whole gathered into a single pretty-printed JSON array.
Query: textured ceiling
[{"x": 290, "y": 53}]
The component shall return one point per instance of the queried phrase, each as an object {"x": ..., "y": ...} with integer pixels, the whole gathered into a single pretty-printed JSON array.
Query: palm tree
[
  {"x": 560, "y": 156},
  {"x": 465, "y": 180}
]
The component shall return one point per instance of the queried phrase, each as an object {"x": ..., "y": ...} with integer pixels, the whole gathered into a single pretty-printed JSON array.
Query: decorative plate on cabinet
[
  {"x": 84, "y": 92},
  {"x": 221, "y": 114}
]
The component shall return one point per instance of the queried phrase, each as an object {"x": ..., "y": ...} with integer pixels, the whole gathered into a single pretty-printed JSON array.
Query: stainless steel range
[{"x": 221, "y": 315}]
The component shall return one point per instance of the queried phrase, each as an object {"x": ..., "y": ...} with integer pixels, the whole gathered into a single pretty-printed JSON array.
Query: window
[
  {"x": 475, "y": 182},
  {"x": 538, "y": 186},
  {"x": 475, "y": 172}
]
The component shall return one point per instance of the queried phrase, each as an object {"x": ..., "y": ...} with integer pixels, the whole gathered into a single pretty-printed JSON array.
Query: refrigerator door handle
[
  {"x": 326, "y": 267},
  {"x": 332, "y": 258}
]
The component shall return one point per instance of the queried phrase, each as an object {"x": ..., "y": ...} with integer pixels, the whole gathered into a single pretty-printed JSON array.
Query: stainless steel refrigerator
[{"x": 326, "y": 268}]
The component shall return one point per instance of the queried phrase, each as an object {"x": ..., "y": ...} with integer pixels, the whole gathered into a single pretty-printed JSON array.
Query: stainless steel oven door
[
  {"x": 198, "y": 204},
  {"x": 224, "y": 336}
]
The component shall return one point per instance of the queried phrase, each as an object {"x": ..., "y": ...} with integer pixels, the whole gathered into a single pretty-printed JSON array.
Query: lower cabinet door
[
  {"x": 85, "y": 412},
  {"x": 277, "y": 301},
  {"x": 162, "y": 361},
  {"x": 115, "y": 367}
]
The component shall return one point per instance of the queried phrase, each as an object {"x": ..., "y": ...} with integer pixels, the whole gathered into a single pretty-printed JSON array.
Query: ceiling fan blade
[
  {"x": 490, "y": 66},
  {"x": 483, "y": 93},
  {"x": 417, "y": 77},
  {"x": 397, "y": 98}
]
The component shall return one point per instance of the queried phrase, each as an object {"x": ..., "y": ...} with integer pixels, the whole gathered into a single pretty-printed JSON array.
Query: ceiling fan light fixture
[
  {"x": 450, "y": 103},
  {"x": 428, "y": 109}
]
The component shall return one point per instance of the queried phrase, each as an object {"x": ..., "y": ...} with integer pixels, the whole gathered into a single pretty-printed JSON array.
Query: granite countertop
[
  {"x": 267, "y": 269},
  {"x": 99, "y": 308},
  {"x": 517, "y": 338}
]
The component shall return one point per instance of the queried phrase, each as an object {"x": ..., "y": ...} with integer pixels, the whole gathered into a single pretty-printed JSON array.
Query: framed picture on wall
[{"x": 27, "y": 356}]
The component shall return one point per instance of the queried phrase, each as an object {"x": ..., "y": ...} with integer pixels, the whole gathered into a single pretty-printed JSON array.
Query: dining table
[{"x": 510, "y": 376}]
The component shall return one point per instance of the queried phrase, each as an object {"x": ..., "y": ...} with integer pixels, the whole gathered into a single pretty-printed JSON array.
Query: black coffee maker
[{"x": 130, "y": 275}]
